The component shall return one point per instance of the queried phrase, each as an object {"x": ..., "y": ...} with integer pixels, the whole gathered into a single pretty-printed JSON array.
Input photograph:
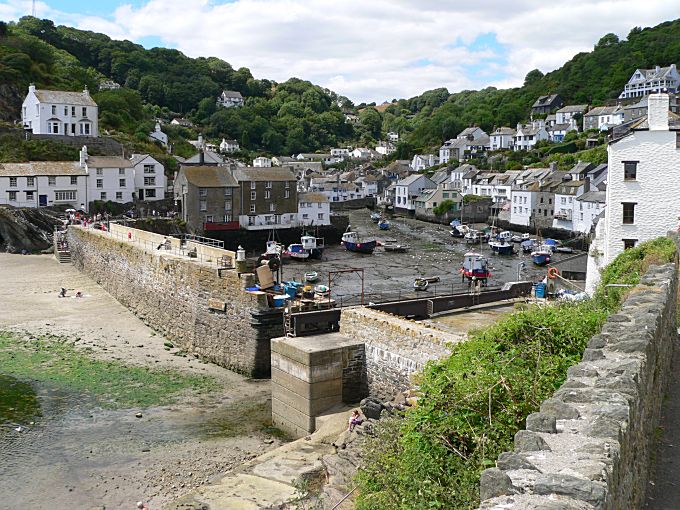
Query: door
[{"x": 42, "y": 200}]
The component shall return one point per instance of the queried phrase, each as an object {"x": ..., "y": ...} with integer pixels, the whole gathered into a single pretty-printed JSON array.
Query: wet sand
[{"x": 77, "y": 455}]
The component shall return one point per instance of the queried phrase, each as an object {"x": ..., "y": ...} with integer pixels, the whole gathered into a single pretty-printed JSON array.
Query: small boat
[
  {"x": 424, "y": 283},
  {"x": 475, "y": 266},
  {"x": 352, "y": 242},
  {"x": 384, "y": 224},
  {"x": 396, "y": 248},
  {"x": 564, "y": 249},
  {"x": 552, "y": 243},
  {"x": 311, "y": 277},
  {"x": 528, "y": 245},
  {"x": 375, "y": 217},
  {"x": 516, "y": 239},
  {"x": 459, "y": 230},
  {"x": 322, "y": 291},
  {"x": 472, "y": 237},
  {"x": 541, "y": 256},
  {"x": 504, "y": 236},
  {"x": 502, "y": 247},
  {"x": 297, "y": 252}
]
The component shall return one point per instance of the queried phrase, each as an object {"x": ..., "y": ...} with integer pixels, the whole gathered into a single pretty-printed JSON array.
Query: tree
[{"x": 532, "y": 77}]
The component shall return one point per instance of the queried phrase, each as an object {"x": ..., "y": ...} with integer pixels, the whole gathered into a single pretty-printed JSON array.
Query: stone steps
[{"x": 64, "y": 257}]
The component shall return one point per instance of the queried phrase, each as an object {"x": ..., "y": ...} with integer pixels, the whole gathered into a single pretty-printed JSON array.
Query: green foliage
[
  {"x": 471, "y": 198},
  {"x": 563, "y": 148},
  {"x": 444, "y": 207},
  {"x": 473, "y": 402},
  {"x": 15, "y": 149}
]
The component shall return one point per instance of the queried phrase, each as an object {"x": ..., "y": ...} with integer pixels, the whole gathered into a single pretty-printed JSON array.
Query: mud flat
[{"x": 97, "y": 411}]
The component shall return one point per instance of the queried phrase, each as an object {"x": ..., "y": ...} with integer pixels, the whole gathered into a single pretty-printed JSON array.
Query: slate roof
[
  {"x": 602, "y": 110},
  {"x": 36, "y": 168},
  {"x": 232, "y": 94},
  {"x": 545, "y": 100},
  {"x": 410, "y": 179},
  {"x": 64, "y": 97},
  {"x": 208, "y": 157},
  {"x": 573, "y": 108},
  {"x": 209, "y": 176},
  {"x": 312, "y": 197},
  {"x": 138, "y": 158},
  {"x": 108, "y": 162},
  {"x": 468, "y": 131},
  {"x": 593, "y": 196},
  {"x": 274, "y": 173},
  {"x": 503, "y": 130}
]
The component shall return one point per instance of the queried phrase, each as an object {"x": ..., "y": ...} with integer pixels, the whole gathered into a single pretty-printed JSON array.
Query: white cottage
[
  {"x": 150, "y": 180},
  {"x": 158, "y": 136},
  {"x": 55, "y": 112},
  {"x": 314, "y": 209},
  {"x": 408, "y": 189},
  {"x": 43, "y": 183},
  {"x": 110, "y": 178}
]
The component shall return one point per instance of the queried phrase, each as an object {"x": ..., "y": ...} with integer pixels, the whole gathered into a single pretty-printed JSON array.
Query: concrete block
[
  {"x": 311, "y": 407},
  {"x": 307, "y": 373},
  {"x": 297, "y": 418},
  {"x": 306, "y": 390}
]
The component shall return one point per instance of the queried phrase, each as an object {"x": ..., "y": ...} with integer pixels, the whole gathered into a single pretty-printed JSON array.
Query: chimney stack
[
  {"x": 657, "y": 111},
  {"x": 31, "y": 87}
]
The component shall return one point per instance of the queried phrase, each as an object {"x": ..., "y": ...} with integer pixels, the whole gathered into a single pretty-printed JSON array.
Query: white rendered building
[
  {"x": 150, "y": 180},
  {"x": 314, "y": 209},
  {"x": 55, "y": 112},
  {"x": 43, "y": 184}
]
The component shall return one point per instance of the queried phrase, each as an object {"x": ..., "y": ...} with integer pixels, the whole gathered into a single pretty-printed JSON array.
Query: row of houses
[{"x": 77, "y": 183}]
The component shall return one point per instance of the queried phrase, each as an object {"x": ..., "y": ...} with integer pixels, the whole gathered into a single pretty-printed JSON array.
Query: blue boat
[
  {"x": 541, "y": 256},
  {"x": 552, "y": 243},
  {"x": 352, "y": 242},
  {"x": 528, "y": 246},
  {"x": 384, "y": 224},
  {"x": 502, "y": 247}
]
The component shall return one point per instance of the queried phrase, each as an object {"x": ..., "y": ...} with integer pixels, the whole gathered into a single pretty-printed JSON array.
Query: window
[
  {"x": 12, "y": 182},
  {"x": 203, "y": 205},
  {"x": 563, "y": 200},
  {"x": 227, "y": 205},
  {"x": 629, "y": 243},
  {"x": 286, "y": 194},
  {"x": 581, "y": 216},
  {"x": 121, "y": 183},
  {"x": 267, "y": 194},
  {"x": 73, "y": 111},
  {"x": 65, "y": 111},
  {"x": 208, "y": 219},
  {"x": 150, "y": 193},
  {"x": 73, "y": 129},
  {"x": 54, "y": 110},
  {"x": 149, "y": 181},
  {"x": 320, "y": 216},
  {"x": 305, "y": 216},
  {"x": 100, "y": 171},
  {"x": 29, "y": 195},
  {"x": 37, "y": 109},
  {"x": 12, "y": 196},
  {"x": 23, "y": 112},
  {"x": 268, "y": 184},
  {"x": 253, "y": 195},
  {"x": 149, "y": 169},
  {"x": 628, "y": 213},
  {"x": 541, "y": 199},
  {"x": 227, "y": 192},
  {"x": 100, "y": 183},
  {"x": 252, "y": 184},
  {"x": 84, "y": 128},
  {"x": 84, "y": 111},
  {"x": 102, "y": 195},
  {"x": 287, "y": 184},
  {"x": 550, "y": 201},
  {"x": 121, "y": 171},
  {"x": 272, "y": 207},
  {"x": 252, "y": 208},
  {"x": 119, "y": 195},
  {"x": 52, "y": 181},
  {"x": 630, "y": 170},
  {"x": 227, "y": 218},
  {"x": 202, "y": 192}
]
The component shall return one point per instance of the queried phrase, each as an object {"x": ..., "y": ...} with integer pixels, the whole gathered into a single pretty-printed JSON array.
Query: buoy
[{"x": 553, "y": 273}]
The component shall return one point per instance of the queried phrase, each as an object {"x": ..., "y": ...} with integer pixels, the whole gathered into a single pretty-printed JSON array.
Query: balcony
[{"x": 563, "y": 215}]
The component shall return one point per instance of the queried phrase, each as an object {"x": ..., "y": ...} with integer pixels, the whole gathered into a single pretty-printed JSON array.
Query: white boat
[
  {"x": 322, "y": 290},
  {"x": 311, "y": 277}
]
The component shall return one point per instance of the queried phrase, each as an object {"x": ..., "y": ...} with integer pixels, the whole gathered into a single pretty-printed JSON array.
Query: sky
[{"x": 367, "y": 50}]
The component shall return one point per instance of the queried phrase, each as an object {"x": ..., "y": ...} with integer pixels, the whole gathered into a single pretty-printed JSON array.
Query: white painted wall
[
  {"x": 37, "y": 115},
  {"x": 314, "y": 213},
  {"x": 43, "y": 185},
  {"x": 149, "y": 174},
  {"x": 521, "y": 205}
]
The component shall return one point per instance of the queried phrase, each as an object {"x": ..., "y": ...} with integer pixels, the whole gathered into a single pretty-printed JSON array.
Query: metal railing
[
  {"x": 204, "y": 240},
  {"x": 162, "y": 248}
]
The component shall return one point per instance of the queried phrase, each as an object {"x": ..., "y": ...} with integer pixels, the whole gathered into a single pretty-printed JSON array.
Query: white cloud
[{"x": 379, "y": 49}]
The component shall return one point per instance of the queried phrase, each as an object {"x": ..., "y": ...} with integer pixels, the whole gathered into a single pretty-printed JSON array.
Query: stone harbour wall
[
  {"x": 589, "y": 446},
  {"x": 395, "y": 348},
  {"x": 187, "y": 302}
]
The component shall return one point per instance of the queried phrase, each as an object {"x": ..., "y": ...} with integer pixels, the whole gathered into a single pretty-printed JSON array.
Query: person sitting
[
  {"x": 62, "y": 292},
  {"x": 79, "y": 294},
  {"x": 354, "y": 420}
]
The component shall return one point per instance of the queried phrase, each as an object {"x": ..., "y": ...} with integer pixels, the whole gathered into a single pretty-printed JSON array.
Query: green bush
[
  {"x": 473, "y": 402},
  {"x": 444, "y": 207}
]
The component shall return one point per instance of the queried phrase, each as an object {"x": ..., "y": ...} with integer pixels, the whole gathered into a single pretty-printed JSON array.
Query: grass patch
[
  {"x": 473, "y": 402},
  {"x": 114, "y": 384}
]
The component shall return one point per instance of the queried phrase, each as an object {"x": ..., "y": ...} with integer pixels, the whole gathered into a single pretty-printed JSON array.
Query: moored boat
[
  {"x": 311, "y": 276},
  {"x": 528, "y": 245},
  {"x": 322, "y": 291},
  {"x": 395, "y": 247},
  {"x": 309, "y": 247},
  {"x": 475, "y": 266},
  {"x": 384, "y": 224},
  {"x": 375, "y": 217},
  {"x": 541, "y": 256},
  {"x": 352, "y": 242},
  {"x": 424, "y": 283},
  {"x": 502, "y": 247}
]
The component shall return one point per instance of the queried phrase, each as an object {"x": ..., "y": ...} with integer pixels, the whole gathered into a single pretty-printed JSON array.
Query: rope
[
  {"x": 570, "y": 282},
  {"x": 344, "y": 498}
]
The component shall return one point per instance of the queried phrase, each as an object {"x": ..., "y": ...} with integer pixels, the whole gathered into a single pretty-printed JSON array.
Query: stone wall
[
  {"x": 589, "y": 446},
  {"x": 184, "y": 300},
  {"x": 395, "y": 348}
]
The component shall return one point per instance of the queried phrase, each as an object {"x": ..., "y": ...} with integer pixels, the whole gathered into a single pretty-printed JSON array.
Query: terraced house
[{"x": 268, "y": 197}]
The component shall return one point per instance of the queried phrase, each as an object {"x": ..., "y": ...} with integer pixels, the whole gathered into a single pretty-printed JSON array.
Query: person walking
[{"x": 142, "y": 506}]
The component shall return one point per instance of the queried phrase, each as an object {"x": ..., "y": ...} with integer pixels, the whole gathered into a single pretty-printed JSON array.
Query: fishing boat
[
  {"x": 552, "y": 243},
  {"x": 472, "y": 237},
  {"x": 502, "y": 247},
  {"x": 375, "y": 217},
  {"x": 352, "y": 242},
  {"x": 396, "y": 248},
  {"x": 424, "y": 283},
  {"x": 541, "y": 256},
  {"x": 504, "y": 236},
  {"x": 384, "y": 224},
  {"x": 311, "y": 277},
  {"x": 309, "y": 247},
  {"x": 475, "y": 266}
]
